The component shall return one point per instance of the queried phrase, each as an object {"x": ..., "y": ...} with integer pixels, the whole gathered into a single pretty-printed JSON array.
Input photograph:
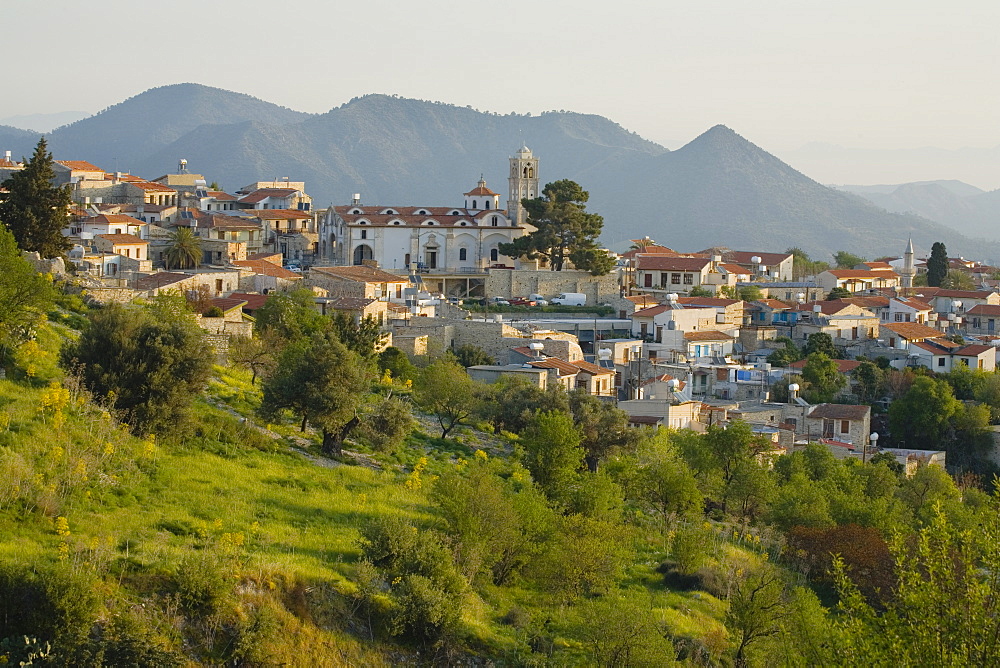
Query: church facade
[{"x": 461, "y": 239}]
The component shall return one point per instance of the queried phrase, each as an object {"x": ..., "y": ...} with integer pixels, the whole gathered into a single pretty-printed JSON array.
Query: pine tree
[
  {"x": 35, "y": 211},
  {"x": 937, "y": 265}
]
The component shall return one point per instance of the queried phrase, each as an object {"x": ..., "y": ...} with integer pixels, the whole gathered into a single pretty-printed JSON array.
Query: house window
[
  {"x": 462, "y": 253},
  {"x": 643, "y": 328},
  {"x": 675, "y": 279},
  {"x": 845, "y": 426},
  {"x": 688, "y": 279},
  {"x": 647, "y": 280},
  {"x": 940, "y": 361}
]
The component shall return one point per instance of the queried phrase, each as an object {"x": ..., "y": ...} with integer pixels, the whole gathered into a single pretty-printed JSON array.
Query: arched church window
[
  {"x": 525, "y": 172},
  {"x": 486, "y": 205},
  {"x": 494, "y": 255},
  {"x": 463, "y": 254},
  {"x": 495, "y": 221},
  {"x": 474, "y": 204},
  {"x": 531, "y": 172}
]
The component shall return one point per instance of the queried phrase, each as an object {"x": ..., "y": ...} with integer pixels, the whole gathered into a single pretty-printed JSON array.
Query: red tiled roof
[
  {"x": 914, "y": 303},
  {"x": 562, "y": 366},
  {"x": 261, "y": 194},
  {"x": 411, "y": 216},
  {"x": 228, "y": 303},
  {"x": 652, "y": 310},
  {"x": 267, "y": 269},
  {"x": 592, "y": 369},
  {"x": 912, "y": 330},
  {"x": 361, "y": 273},
  {"x": 867, "y": 302},
  {"x": 973, "y": 350},
  {"x": 113, "y": 218},
  {"x": 651, "y": 250},
  {"x": 79, "y": 165},
  {"x": 774, "y": 304},
  {"x": 481, "y": 190},
  {"x": 863, "y": 273},
  {"x": 840, "y": 412},
  {"x": 985, "y": 309},
  {"x": 734, "y": 268},
  {"x": 643, "y": 300},
  {"x": 123, "y": 239},
  {"x": 220, "y": 196},
  {"x": 253, "y": 301},
  {"x": 707, "y": 335},
  {"x": 149, "y": 186}
]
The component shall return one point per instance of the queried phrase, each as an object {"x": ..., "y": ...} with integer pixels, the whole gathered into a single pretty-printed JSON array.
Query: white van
[{"x": 571, "y": 299}]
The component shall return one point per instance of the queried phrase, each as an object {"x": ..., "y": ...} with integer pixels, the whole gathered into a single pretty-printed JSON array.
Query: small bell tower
[{"x": 523, "y": 182}]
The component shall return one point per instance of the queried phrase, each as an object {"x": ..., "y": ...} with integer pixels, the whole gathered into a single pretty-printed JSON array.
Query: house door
[
  {"x": 828, "y": 426},
  {"x": 432, "y": 259}
]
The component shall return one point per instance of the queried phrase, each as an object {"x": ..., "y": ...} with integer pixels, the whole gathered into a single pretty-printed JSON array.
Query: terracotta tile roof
[
  {"x": 267, "y": 269},
  {"x": 361, "y": 273},
  {"x": 228, "y": 304},
  {"x": 113, "y": 218},
  {"x": 707, "y": 335},
  {"x": 840, "y": 412},
  {"x": 562, "y": 366},
  {"x": 914, "y": 303},
  {"x": 933, "y": 346},
  {"x": 843, "y": 366},
  {"x": 912, "y": 330},
  {"x": 159, "y": 280},
  {"x": 9, "y": 164},
  {"x": 650, "y": 250},
  {"x": 774, "y": 304},
  {"x": 262, "y": 194},
  {"x": 670, "y": 263},
  {"x": 79, "y": 166},
  {"x": 123, "y": 177},
  {"x": 652, "y": 310},
  {"x": 220, "y": 196},
  {"x": 412, "y": 217},
  {"x": 867, "y": 302},
  {"x": 123, "y": 239},
  {"x": 985, "y": 309},
  {"x": 955, "y": 294},
  {"x": 481, "y": 191},
  {"x": 397, "y": 308},
  {"x": 972, "y": 350},
  {"x": 863, "y": 273},
  {"x": 273, "y": 258},
  {"x": 149, "y": 186},
  {"x": 878, "y": 265},
  {"x": 734, "y": 268},
  {"x": 253, "y": 301},
  {"x": 592, "y": 369}
]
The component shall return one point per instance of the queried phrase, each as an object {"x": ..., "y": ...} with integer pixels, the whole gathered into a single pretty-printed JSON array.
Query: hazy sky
[{"x": 877, "y": 75}]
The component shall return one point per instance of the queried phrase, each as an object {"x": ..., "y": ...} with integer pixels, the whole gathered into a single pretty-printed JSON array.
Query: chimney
[{"x": 6, "y": 155}]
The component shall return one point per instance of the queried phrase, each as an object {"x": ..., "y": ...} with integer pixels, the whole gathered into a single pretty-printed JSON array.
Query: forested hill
[{"x": 717, "y": 190}]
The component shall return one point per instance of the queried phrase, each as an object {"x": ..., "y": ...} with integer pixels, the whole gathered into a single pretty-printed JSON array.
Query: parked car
[
  {"x": 499, "y": 301},
  {"x": 571, "y": 299},
  {"x": 538, "y": 299},
  {"x": 521, "y": 301}
]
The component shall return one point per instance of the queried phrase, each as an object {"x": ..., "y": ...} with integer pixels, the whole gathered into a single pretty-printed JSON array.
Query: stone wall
[
  {"x": 55, "y": 266},
  {"x": 523, "y": 282}
]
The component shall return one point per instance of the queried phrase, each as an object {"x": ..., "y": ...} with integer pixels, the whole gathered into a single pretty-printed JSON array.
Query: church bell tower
[{"x": 523, "y": 182}]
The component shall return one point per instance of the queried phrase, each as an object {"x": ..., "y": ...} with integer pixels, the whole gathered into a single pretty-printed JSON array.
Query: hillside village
[
  {"x": 676, "y": 339},
  {"x": 241, "y": 429}
]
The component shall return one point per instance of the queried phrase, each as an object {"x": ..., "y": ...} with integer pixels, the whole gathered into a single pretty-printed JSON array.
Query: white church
[{"x": 447, "y": 240}]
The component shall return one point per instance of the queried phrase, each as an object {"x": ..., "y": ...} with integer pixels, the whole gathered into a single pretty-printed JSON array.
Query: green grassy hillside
[{"x": 240, "y": 543}]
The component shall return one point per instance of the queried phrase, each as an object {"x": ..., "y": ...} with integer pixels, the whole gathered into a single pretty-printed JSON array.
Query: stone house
[
  {"x": 844, "y": 423},
  {"x": 357, "y": 307},
  {"x": 858, "y": 280},
  {"x": 358, "y": 281},
  {"x": 260, "y": 275},
  {"x": 131, "y": 249},
  {"x": 215, "y": 282}
]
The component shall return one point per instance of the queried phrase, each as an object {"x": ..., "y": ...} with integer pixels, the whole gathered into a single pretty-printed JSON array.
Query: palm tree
[
  {"x": 642, "y": 244},
  {"x": 184, "y": 250}
]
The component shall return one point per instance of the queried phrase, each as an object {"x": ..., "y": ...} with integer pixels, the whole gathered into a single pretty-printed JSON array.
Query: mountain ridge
[{"x": 718, "y": 189}]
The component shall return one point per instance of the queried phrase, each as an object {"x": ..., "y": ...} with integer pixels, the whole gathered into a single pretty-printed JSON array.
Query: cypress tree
[
  {"x": 937, "y": 265},
  {"x": 33, "y": 209}
]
